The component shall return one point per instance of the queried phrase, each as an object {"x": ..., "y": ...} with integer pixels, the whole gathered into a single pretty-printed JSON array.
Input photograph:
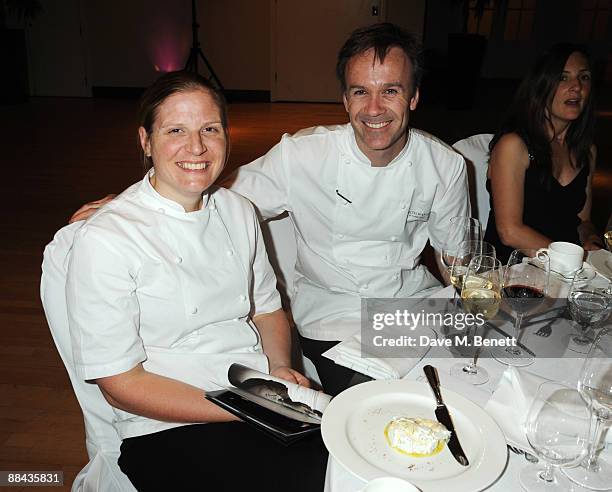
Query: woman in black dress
[{"x": 543, "y": 158}]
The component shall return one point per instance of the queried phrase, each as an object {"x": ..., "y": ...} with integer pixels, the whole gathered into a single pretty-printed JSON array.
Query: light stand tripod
[{"x": 192, "y": 62}]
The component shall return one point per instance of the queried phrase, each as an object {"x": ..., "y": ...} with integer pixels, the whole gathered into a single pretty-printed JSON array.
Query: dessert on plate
[{"x": 417, "y": 437}]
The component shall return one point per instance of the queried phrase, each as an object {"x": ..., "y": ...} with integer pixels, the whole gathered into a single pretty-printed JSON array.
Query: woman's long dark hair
[{"x": 528, "y": 114}]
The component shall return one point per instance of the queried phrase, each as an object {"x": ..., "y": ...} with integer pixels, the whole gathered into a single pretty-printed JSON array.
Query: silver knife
[{"x": 444, "y": 417}]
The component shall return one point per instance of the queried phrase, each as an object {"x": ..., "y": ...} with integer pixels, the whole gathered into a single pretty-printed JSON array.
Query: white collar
[
  {"x": 353, "y": 150},
  {"x": 208, "y": 202}
]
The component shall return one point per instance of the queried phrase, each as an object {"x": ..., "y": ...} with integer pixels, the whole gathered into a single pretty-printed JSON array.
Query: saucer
[{"x": 569, "y": 276}]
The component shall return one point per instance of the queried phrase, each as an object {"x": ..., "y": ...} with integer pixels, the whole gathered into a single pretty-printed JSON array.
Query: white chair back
[
  {"x": 279, "y": 237},
  {"x": 102, "y": 473},
  {"x": 475, "y": 150}
]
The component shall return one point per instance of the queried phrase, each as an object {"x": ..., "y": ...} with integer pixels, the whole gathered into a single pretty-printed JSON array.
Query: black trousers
[
  {"x": 334, "y": 378},
  {"x": 229, "y": 456}
]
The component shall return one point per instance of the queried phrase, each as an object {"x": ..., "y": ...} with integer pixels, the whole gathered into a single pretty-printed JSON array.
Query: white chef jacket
[
  {"x": 360, "y": 230},
  {"x": 148, "y": 282}
]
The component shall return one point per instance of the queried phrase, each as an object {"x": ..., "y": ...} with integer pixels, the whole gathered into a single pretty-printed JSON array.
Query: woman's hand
[
  {"x": 290, "y": 375},
  {"x": 88, "y": 209}
]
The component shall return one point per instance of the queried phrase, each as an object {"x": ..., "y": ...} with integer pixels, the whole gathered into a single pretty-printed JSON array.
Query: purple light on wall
[{"x": 168, "y": 47}]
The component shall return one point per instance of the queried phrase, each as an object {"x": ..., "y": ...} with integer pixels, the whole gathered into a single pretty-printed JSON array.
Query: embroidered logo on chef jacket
[{"x": 419, "y": 214}]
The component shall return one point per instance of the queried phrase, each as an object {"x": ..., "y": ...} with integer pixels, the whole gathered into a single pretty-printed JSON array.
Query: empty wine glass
[
  {"x": 589, "y": 303},
  {"x": 595, "y": 386},
  {"x": 480, "y": 295},
  {"x": 526, "y": 281},
  {"x": 557, "y": 428}
]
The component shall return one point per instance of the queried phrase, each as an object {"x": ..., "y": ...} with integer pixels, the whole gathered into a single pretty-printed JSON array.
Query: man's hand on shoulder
[{"x": 88, "y": 209}]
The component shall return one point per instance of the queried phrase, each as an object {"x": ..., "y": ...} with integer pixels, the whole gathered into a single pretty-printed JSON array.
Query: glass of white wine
[
  {"x": 460, "y": 229},
  {"x": 463, "y": 255},
  {"x": 480, "y": 295},
  {"x": 608, "y": 234}
]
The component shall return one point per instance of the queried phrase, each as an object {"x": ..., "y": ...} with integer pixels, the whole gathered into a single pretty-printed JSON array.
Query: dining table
[{"x": 547, "y": 333}]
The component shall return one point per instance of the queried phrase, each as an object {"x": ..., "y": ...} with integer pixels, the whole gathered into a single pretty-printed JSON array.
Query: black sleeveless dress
[{"x": 549, "y": 208}]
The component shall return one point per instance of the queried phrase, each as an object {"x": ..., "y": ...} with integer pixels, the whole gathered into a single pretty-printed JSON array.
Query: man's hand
[
  {"x": 290, "y": 375},
  {"x": 89, "y": 208}
]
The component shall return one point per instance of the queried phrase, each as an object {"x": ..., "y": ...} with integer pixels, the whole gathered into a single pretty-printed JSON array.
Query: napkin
[
  {"x": 510, "y": 404},
  {"x": 349, "y": 354}
]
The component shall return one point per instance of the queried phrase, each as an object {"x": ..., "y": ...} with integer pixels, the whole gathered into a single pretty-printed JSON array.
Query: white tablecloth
[{"x": 554, "y": 361}]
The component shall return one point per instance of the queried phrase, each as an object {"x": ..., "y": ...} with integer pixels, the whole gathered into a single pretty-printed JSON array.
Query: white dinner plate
[{"x": 353, "y": 431}]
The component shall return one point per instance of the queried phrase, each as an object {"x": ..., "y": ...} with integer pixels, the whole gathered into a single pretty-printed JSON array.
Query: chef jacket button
[
  {"x": 194, "y": 310},
  {"x": 393, "y": 238},
  {"x": 230, "y": 252},
  {"x": 213, "y": 207},
  {"x": 243, "y": 298},
  {"x": 347, "y": 162},
  {"x": 161, "y": 210},
  {"x": 403, "y": 206},
  {"x": 341, "y": 236},
  {"x": 396, "y": 277},
  {"x": 366, "y": 286},
  {"x": 179, "y": 260},
  {"x": 409, "y": 163}
]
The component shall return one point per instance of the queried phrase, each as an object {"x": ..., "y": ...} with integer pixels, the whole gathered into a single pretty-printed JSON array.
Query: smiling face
[
  {"x": 573, "y": 91},
  {"x": 378, "y": 99},
  {"x": 187, "y": 145}
]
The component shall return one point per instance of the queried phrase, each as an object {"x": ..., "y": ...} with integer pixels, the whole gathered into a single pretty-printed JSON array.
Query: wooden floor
[{"x": 60, "y": 153}]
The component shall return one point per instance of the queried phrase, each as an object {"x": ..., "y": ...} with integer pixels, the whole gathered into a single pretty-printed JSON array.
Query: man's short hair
[{"x": 381, "y": 37}]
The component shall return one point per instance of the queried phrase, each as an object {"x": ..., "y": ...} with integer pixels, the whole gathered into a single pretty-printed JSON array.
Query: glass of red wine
[{"x": 526, "y": 283}]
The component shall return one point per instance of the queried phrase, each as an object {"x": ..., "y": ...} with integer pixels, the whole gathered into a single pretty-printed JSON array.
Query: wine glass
[
  {"x": 481, "y": 294},
  {"x": 557, "y": 428},
  {"x": 526, "y": 281},
  {"x": 463, "y": 255},
  {"x": 595, "y": 386},
  {"x": 608, "y": 234},
  {"x": 461, "y": 228},
  {"x": 589, "y": 303}
]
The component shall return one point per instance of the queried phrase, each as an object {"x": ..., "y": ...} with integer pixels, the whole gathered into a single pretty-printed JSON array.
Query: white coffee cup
[
  {"x": 565, "y": 258},
  {"x": 389, "y": 484}
]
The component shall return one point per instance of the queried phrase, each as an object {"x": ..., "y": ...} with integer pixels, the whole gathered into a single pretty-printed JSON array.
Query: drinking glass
[
  {"x": 595, "y": 386},
  {"x": 463, "y": 255},
  {"x": 526, "y": 281},
  {"x": 460, "y": 229},
  {"x": 480, "y": 295},
  {"x": 608, "y": 234},
  {"x": 589, "y": 303},
  {"x": 557, "y": 428}
]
